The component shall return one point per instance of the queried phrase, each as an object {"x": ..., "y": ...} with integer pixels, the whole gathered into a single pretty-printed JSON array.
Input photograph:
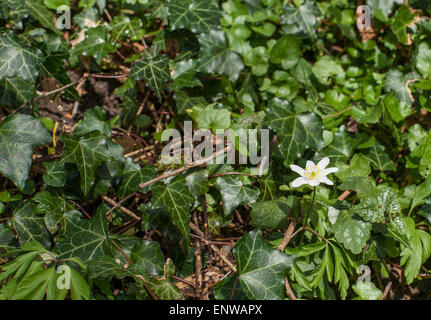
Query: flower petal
[
  {"x": 299, "y": 182},
  {"x": 325, "y": 172},
  {"x": 323, "y": 163},
  {"x": 313, "y": 182},
  {"x": 326, "y": 181},
  {"x": 297, "y": 169},
  {"x": 310, "y": 164}
]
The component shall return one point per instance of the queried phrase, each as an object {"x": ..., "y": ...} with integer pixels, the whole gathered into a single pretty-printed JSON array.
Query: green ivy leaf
[
  {"x": 341, "y": 148},
  {"x": 29, "y": 226},
  {"x": 16, "y": 61},
  {"x": 261, "y": 269},
  {"x": 396, "y": 82},
  {"x": 297, "y": 131},
  {"x": 196, "y": 15},
  {"x": 326, "y": 68},
  {"x": 87, "y": 153},
  {"x": 197, "y": 181},
  {"x": 302, "y": 20},
  {"x": 96, "y": 44},
  {"x": 285, "y": 51},
  {"x": 19, "y": 134},
  {"x": 153, "y": 68},
  {"x": 423, "y": 59},
  {"x": 124, "y": 27},
  {"x": 86, "y": 239},
  {"x": 175, "y": 197},
  {"x": 210, "y": 118},
  {"x": 379, "y": 159},
  {"x": 55, "y": 174},
  {"x": 235, "y": 192},
  {"x": 270, "y": 214},
  {"x": 216, "y": 57},
  {"x": 15, "y": 91},
  {"x": 133, "y": 176}
]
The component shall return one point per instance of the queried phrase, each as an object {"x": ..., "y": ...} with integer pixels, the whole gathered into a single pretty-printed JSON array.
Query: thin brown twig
[
  {"x": 184, "y": 168},
  {"x": 119, "y": 206}
]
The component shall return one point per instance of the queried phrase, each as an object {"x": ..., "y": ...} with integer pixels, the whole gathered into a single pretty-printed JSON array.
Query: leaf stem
[{"x": 309, "y": 212}]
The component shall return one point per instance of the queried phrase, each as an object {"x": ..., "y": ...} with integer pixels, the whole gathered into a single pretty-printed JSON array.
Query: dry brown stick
[
  {"x": 184, "y": 168},
  {"x": 116, "y": 205},
  {"x": 223, "y": 257},
  {"x": 282, "y": 246},
  {"x": 287, "y": 236},
  {"x": 289, "y": 290},
  {"x": 387, "y": 289},
  {"x": 344, "y": 195},
  {"x": 198, "y": 262},
  {"x": 213, "y": 247}
]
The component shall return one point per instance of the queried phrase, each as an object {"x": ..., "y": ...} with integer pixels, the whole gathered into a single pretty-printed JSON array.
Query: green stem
[{"x": 308, "y": 213}]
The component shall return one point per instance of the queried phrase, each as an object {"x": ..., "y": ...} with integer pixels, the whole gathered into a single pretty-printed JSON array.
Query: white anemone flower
[{"x": 313, "y": 175}]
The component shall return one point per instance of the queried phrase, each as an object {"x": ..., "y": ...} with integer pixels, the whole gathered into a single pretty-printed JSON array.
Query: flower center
[{"x": 312, "y": 172}]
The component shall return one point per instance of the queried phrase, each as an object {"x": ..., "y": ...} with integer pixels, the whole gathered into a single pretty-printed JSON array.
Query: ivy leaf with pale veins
[
  {"x": 196, "y": 15},
  {"x": 197, "y": 181},
  {"x": 175, "y": 197},
  {"x": 261, "y": 269},
  {"x": 270, "y": 214},
  {"x": 216, "y": 57},
  {"x": 19, "y": 134},
  {"x": 15, "y": 91},
  {"x": 29, "y": 226},
  {"x": 87, "y": 153},
  {"x": 133, "y": 176},
  {"x": 86, "y": 239},
  {"x": 297, "y": 131},
  {"x": 55, "y": 175},
  {"x": 352, "y": 233},
  {"x": 96, "y": 44},
  {"x": 16, "y": 61},
  {"x": 301, "y": 21},
  {"x": 235, "y": 192},
  {"x": 153, "y": 68},
  {"x": 379, "y": 159},
  {"x": 376, "y": 207}
]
